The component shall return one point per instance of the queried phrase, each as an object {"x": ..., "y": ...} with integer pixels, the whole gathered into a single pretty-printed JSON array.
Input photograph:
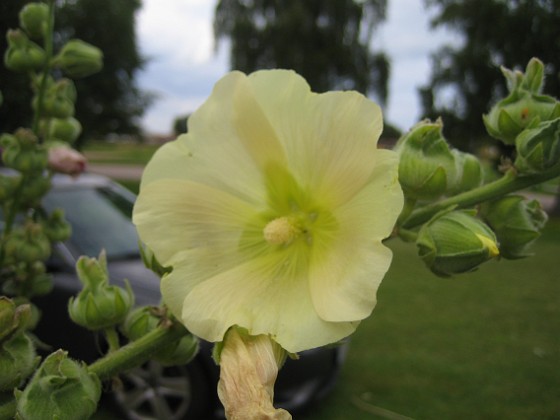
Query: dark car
[{"x": 99, "y": 211}]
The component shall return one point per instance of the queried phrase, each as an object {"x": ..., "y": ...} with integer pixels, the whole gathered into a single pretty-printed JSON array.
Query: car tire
[{"x": 156, "y": 392}]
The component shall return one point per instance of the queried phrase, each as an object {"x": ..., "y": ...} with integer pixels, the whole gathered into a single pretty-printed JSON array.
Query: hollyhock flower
[{"x": 271, "y": 211}]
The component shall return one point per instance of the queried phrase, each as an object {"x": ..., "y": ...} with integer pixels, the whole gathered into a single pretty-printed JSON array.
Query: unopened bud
[
  {"x": 23, "y": 152},
  {"x": 58, "y": 101},
  {"x": 524, "y": 106},
  {"x": 56, "y": 227},
  {"x": 468, "y": 170},
  {"x": 98, "y": 305},
  {"x": 28, "y": 243},
  {"x": 61, "y": 388},
  {"x": 22, "y": 54},
  {"x": 34, "y": 18},
  {"x": 17, "y": 361},
  {"x": 426, "y": 166},
  {"x": 79, "y": 59},
  {"x": 538, "y": 148},
  {"x": 144, "y": 319},
  {"x": 456, "y": 242},
  {"x": 64, "y": 129},
  {"x": 517, "y": 223}
]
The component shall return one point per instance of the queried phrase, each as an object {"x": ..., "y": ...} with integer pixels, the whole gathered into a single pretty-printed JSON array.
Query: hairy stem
[
  {"x": 137, "y": 352},
  {"x": 509, "y": 183}
]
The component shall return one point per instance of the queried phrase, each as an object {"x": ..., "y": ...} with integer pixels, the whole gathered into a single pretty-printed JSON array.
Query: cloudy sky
[{"x": 176, "y": 35}]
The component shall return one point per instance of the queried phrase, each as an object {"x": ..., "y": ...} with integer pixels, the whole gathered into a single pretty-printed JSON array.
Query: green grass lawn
[{"x": 485, "y": 345}]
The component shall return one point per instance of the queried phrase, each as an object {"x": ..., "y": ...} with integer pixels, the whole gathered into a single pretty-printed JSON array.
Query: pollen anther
[{"x": 281, "y": 231}]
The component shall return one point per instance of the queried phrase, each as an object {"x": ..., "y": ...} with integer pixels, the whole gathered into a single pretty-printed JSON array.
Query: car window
[{"x": 100, "y": 219}]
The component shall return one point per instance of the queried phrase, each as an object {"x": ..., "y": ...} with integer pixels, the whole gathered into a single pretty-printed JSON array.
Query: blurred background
[{"x": 485, "y": 345}]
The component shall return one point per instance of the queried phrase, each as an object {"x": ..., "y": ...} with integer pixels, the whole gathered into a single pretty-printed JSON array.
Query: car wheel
[{"x": 153, "y": 391}]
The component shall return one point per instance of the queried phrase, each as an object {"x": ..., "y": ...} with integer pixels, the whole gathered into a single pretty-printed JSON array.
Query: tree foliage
[
  {"x": 326, "y": 41},
  {"x": 109, "y": 101},
  {"x": 465, "y": 79},
  {"x": 15, "y": 109}
]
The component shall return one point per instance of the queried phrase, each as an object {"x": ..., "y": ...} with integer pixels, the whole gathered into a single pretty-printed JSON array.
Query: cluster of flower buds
[
  {"x": 524, "y": 106},
  {"x": 17, "y": 353},
  {"x": 76, "y": 58},
  {"x": 98, "y": 305},
  {"x": 60, "y": 388},
  {"x": 22, "y": 151},
  {"x": 144, "y": 319},
  {"x": 527, "y": 119}
]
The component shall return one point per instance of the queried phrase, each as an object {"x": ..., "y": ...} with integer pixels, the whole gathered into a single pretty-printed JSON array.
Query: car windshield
[{"x": 100, "y": 219}]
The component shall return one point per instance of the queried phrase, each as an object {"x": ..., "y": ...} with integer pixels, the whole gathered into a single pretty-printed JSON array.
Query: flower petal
[
  {"x": 195, "y": 215},
  {"x": 330, "y": 139},
  {"x": 345, "y": 275},
  {"x": 248, "y": 296}
]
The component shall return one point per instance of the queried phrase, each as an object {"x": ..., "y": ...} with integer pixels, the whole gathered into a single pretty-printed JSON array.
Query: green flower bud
[
  {"x": 56, "y": 227},
  {"x": 79, "y": 59},
  {"x": 17, "y": 361},
  {"x": 35, "y": 188},
  {"x": 34, "y": 18},
  {"x": 27, "y": 244},
  {"x": 455, "y": 242},
  {"x": 23, "y": 152},
  {"x": 426, "y": 165},
  {"x": 144, "y": 319},
  {"x": 13, "y": 319},
  {"x": 60, "y": 389},
  {"x": 66, "y": 130},
  {"x": 30, "y": 280},
  {"x": 8, "y": 186},
  {"x": 7, "y": 405},
  {"x": 517, "y": 223},
  {"x": 469, "y": 172},
  {"x": 59, "y": 100},
  {"x": 22, "y": 54},
  {"x": 98, "y": 305},
  {"x": 523, "y": 106},
  {"x": 538, "y": 148},
  {"x": 151, "y": 262}
]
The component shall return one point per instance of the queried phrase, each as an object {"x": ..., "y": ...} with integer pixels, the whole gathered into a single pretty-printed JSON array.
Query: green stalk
[
  {"x": 509, "y": 183},
  {"x": 137, "y": 352}
]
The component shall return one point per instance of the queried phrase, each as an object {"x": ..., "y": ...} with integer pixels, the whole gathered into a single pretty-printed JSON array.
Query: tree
[
  {"x": 109, "y": 101},
  {"x": 465, "y": 80},
  {"x": 15, "y": 109},
  {"x": 326, "y": 41}
]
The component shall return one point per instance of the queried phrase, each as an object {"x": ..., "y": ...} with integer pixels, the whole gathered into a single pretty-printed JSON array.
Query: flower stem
[
  {"x": 509, "y": 183},
  {"x": 137, "y": 352},
  {"x": 112, "y": 339}
]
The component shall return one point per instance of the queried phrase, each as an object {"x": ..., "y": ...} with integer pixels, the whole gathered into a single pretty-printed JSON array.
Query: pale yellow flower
[{"x": 271, "y": 211}]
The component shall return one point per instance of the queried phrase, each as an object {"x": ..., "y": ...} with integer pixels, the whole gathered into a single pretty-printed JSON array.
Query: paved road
[{"x": 124, "y": 172}]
